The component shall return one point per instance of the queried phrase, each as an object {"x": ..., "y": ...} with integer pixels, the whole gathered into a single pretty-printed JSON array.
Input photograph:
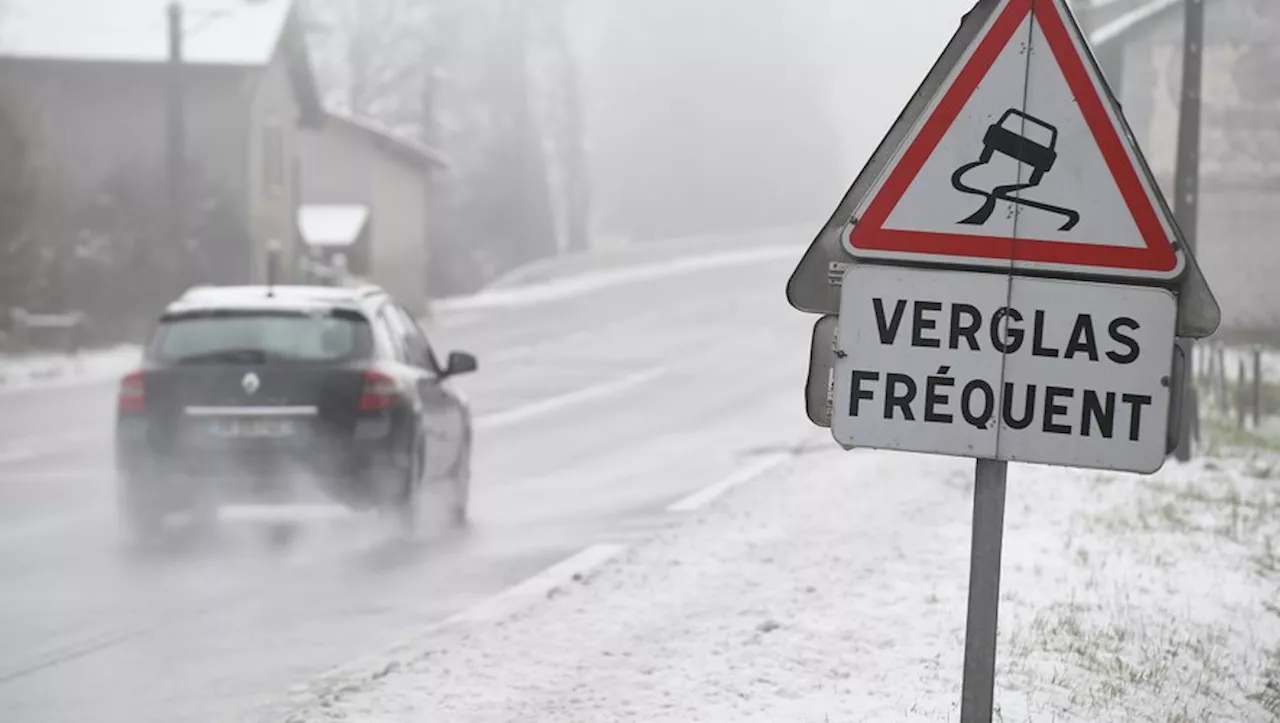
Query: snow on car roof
[
  {"x": 262, "y": 297},
  {"x": 332, "y": 224},
  {"x": 217, "y": 32}
]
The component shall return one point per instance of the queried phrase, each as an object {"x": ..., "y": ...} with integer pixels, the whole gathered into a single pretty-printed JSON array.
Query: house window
[{"x": 273, "y": 165}]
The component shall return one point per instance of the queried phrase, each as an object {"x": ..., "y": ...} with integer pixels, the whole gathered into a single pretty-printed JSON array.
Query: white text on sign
[{"x": 980, "y": 364}]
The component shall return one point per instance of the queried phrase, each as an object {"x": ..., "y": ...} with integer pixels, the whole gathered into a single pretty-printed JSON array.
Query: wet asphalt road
[{"x": 593, "y": 415}]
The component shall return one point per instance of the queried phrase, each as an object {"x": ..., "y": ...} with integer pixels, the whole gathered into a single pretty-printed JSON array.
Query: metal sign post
[
  {"x": 1004, "y": 281},
  {"x": 1186, "y": 195},
  {"x": 978, "y": 689}
]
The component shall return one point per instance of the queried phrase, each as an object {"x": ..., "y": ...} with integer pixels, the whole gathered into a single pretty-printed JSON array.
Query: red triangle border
[{"x": 870, "y": 235}]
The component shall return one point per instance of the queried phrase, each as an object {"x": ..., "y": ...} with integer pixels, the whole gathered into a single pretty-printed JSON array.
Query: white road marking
[
  {"x": 497, "y": 420},
  {"x": 508, "y": 417},
  {"x": 1117, "y": 27},
  {"x": 330, "y": 686},
  {"x": 242, "y": 514},
  {"x": 527, "y": 350},
  {"x": 590, "y": 282},
  {"x": 63, "y": 474},
  {"x": 25, "y": 450},
  {"x": 45, "y": 527},
  {"x": 529, "y": 592},
  {"x": 740, "y": 476},
  {"x": 12, "y": 456},
  {"x": 283, "y": 513},
  {"x": 45, "y": 447}
]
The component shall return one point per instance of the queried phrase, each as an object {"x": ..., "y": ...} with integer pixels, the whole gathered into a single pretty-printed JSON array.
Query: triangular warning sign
[{"x": 1021, "y": 160}]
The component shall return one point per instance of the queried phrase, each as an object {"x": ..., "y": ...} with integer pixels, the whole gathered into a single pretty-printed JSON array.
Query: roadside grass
[
  {"x": 1223, "y": 437},
  {"x": 1175, "y": 601}
]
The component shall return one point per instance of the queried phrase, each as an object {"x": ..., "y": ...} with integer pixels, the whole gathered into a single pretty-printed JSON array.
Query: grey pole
[
  {"x": 176, "y": 129},
  {"x": 1186, "y": 197},
  {"x": 977, "y": 696}
]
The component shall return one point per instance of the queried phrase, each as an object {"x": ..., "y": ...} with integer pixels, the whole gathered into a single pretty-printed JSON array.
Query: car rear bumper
[{"x": 351, "y": 471}]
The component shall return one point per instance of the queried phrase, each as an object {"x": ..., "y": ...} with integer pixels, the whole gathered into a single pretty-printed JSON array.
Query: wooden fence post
[
  {"x": 1224, "y": 394},
  {"x": 1257, "y": 386},
  {"x": 1241, "y": 394}
]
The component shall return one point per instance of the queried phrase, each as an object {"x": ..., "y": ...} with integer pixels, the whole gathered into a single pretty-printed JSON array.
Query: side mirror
[{"x": 460, "y": 362}]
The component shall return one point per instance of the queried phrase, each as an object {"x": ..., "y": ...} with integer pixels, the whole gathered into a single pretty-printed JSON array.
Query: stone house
[
  {"x": 1239, "y": 202},
  {"x": 91, "y": 82},
  {"x": 369, "y": 190}
]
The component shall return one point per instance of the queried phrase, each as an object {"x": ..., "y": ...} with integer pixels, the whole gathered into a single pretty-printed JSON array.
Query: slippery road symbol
[{"x": 1040, "y": 156}]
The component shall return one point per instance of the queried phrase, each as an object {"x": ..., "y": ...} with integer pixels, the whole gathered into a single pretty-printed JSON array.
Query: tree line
[{"x": 569, "y": 123}]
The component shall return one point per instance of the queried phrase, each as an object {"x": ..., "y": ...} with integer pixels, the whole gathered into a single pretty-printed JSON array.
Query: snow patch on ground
[
  {"x": 835, "y": 589},
  {"x": 52, "y": 370},
  {"x": 629, "y": 254},
  {"x": 591, "y": 282}
]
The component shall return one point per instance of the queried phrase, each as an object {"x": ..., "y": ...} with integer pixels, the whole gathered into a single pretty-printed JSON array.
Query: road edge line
[
  {"x": 524, "y": 595},
  {"x": 327, "y": 689},
  {"x": 591, "y": 282},
  {"x": 738, "y": 477},
  {"x": 533, "y": 410}
]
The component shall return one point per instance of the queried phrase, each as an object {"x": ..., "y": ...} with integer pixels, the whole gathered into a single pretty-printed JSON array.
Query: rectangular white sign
[{"x": 1015, "y": 368}]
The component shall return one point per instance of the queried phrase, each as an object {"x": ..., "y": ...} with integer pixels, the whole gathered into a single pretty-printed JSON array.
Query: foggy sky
[{"x": 747, "y": 103}]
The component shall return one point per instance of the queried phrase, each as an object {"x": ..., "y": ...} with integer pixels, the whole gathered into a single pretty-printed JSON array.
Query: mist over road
[{"x": 593, "y": 413}]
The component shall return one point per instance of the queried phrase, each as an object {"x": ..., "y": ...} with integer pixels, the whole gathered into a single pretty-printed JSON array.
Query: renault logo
[{"x": 250, "y": 383}]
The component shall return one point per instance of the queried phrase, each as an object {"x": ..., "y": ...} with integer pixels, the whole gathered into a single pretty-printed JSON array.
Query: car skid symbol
[{"x": 1038, "y": 156}]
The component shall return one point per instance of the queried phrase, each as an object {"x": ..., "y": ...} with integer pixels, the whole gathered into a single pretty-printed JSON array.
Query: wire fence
[
  {"x": 1238, "y": 384},
  {"x": 28, "y": 332}
]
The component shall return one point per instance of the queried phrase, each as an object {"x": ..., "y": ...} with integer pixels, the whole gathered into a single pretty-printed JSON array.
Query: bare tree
[
  {"x": 20, "y": 257},
  {"x": 369, "y": 53},
  {"x": 110, "y": 253},
  {"x": 456, "y": 73},
  {"x": 563, "y": 113},
  {"x": 1249, "y": 121},
  {"x": 709, "y": 119}
]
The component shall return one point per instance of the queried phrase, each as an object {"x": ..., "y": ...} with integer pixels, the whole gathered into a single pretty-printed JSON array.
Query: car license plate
[{"x": 252, "y": 428}]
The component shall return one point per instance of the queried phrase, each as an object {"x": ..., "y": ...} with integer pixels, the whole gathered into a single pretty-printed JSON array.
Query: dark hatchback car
[{"x": 262, "y": 395}]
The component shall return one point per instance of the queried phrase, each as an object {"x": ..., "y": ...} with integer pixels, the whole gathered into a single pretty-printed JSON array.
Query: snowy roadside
[
  {"x": 40, "y": 371},
  {"x": 577, "y": 275},
  {"x": 834, "y": 590},
  {"x": 651, "y": 252},
  {"x": 577, "y": 285},
  {"x": 581, "y": 277},
  {"x": 550, "y": 280}
]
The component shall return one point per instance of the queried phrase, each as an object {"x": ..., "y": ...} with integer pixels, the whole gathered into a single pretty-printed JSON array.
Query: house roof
[
  {"x": 398, "y": 146},
  {"x": 1239, "y": 195},
  {"x": 216, "y": 33},
  {"x": 332, "y": 224}
]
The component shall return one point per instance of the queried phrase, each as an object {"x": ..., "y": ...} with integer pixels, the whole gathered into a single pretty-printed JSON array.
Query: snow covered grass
[
  {"x": 46, "y": 370},
  {"x": 1235, "y": 386},
  {"x": 589, "y": 272},
  {"x": 585, "y": 283},
  {"x": 1235, "y": 356},
  {"x": 1162, "y": 602},
  {"x": 835, "y": 590},
  {"x": 651, "y": 252}
]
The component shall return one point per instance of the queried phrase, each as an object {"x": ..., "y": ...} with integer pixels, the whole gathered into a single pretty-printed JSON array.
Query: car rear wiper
[{"x": 227, "y": 356}]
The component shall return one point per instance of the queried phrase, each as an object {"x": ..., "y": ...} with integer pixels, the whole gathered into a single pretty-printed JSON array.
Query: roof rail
[{"x": 1131, "y": 22}]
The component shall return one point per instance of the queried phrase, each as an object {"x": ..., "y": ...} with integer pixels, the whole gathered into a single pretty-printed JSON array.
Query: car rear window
[{"x": 262, "y": 337}]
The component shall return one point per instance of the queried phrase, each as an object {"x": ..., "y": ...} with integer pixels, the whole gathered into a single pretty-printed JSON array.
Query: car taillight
[
  {"x": 379, "y": 391},
  {"x": 132, "y": 397}
]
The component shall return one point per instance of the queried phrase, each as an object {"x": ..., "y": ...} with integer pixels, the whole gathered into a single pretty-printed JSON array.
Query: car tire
[
  {"x": 406, "y": 503},
  {"x": 140, "y": 512},
  {"x": 205, "y": 513},
  {"x": 460, "y": 485}
]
